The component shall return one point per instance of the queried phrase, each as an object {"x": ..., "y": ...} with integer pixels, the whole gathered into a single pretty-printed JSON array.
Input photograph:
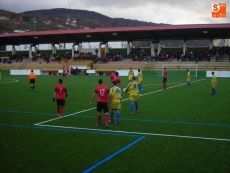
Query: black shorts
[
  {"x": 32, "y": 81},
  {"x": 60, "y": 102},
  {"x": 102, "y": 106},
  {"x": 164, "y": 80},
  {"x": 64, "y": 74}
]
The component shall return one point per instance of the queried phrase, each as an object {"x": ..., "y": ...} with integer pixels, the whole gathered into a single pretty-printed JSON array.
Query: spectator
[
  {"x": 4, "y": 61},
  {"x": 9, "y": 61}
]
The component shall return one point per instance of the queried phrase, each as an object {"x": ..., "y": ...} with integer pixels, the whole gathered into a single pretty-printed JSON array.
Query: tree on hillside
[{"x": 26, "y": 18}]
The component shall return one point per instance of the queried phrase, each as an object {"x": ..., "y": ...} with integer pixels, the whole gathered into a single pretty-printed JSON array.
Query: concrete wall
[
  {"x": 24, "y": 72},
  {"x": 218, "y": 73}
]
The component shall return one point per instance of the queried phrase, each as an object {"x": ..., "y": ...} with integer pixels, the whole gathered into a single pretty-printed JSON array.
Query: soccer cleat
[
  {"x": 60, "y": 116},
  {"x": 111, "y": 121},
  {"x": 107, "y": 126}
]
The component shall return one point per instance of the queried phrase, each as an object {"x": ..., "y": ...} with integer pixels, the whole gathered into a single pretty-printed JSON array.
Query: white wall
[
  {"x": 218, "y": 73},
  {"x": 125, "y": 72},
  {"x": 24, "y": 72}
]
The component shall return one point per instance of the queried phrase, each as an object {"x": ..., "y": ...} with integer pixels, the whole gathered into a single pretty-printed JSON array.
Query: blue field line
[
  {"x": 70, "y": 130},
  {"x": 21, "y": 112},
  {"x": 129, "y": 119},
  {"x": 113, "y": 155},
  {"x": 167, "y": 121}
]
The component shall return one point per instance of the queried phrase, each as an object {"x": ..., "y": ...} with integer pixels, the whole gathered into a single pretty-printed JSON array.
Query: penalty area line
[
  {"x": 161, "y": 84},
  {"x": 64, "y": 116},
  {"x": 141, "y": 133},
  {"x": 170, "y": 88},
  {"x": 121, "y": 100}
]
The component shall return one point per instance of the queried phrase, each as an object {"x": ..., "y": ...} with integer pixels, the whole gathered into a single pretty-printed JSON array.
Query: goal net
[{"x": 177, "y": 70}]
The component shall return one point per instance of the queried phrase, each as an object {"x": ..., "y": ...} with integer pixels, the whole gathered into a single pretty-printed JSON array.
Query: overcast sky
[{"x": 156, "y": 11}]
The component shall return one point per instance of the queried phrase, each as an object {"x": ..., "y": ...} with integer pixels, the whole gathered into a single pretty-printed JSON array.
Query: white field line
[
  {"x": 170, "y": 87},
  {"x": 135, "y": 133},
  {"x": 141, "y": 133},
  {"x": 12, "y": 80},
  {"x": 64, "y": 116},
  {"x": 161, "y": 84},
  {"x": 122, "y": 100}
]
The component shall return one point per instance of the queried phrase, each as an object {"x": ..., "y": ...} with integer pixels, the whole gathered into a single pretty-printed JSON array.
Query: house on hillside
[{"x": 4, "y": 18}]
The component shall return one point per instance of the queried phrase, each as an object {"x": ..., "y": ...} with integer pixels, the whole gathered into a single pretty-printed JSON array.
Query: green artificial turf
[{"x": 179, "y": 129}]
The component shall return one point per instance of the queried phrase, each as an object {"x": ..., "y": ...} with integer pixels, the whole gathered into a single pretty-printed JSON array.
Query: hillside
[{"x": 61, "y": 18}]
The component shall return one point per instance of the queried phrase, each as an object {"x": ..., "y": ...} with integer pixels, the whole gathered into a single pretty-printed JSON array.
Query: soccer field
[{"x": 179, "y": 129}]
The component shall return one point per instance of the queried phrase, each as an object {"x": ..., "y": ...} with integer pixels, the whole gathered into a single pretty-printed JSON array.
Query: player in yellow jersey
[
  {"x": 213, "y": 84},
  {"x": 130, "y": 74},
  {"x": 115, "y": 102},
  {"x": 188, "y": 78},
  {"x": 139, "y": 80},
  {"x": 132, "y": 88}
]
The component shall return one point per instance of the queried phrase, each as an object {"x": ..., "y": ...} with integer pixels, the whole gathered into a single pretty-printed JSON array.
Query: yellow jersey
[
  {"x": 132, "y": 87},
  {"x": 214, "y": 81},
  {"x": 115, "y": 93},
  {"x": 130, "y": 75},
  {"x": 188, "y": 77},
  {"x": 139, "y": 77}
]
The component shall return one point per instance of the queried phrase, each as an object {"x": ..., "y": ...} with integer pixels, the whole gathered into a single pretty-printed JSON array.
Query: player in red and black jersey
[
  {"x": 112, "y": 76},
  {"x": 102, "y": 93},
  {"x": 117, "y": 79},
  {"x": 60, "y": 93}
]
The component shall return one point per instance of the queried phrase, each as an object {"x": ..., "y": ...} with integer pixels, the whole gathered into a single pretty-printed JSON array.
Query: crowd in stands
[
  {"x": 17, "y": 57},
  {"x": 5, "y": 60},
  {"x": 46, "y": 58},
  {"x": 82, "y": 56},
  {"x": 116, "y": 56},
  {"x": 13, "y": 58},
  {"x": 136, "y": 54},
  {"x": 96, "y": 59},
  {"x": 219, "y": 53}
]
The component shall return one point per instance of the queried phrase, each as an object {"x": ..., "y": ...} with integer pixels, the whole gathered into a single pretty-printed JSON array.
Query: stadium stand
[{"x": 7, "y": 66}]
